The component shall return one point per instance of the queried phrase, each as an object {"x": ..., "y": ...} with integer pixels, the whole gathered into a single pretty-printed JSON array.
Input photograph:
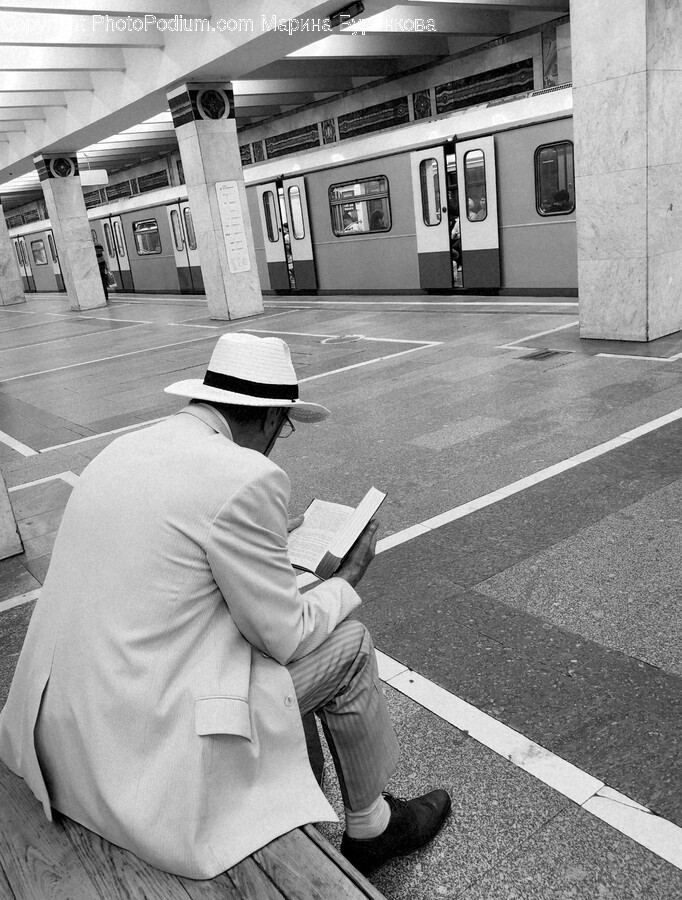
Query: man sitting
[{"x": 159, "y": 693}]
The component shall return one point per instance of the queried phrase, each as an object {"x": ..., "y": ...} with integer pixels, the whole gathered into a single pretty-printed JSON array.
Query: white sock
[{"x": 362, "y": 824}]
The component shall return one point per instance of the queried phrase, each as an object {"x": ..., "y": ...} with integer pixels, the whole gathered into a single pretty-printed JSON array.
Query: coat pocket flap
[{"x": 222, "y": 715}]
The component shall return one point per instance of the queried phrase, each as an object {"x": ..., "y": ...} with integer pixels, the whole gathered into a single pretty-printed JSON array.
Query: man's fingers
[{"x": 295, "y": 523}]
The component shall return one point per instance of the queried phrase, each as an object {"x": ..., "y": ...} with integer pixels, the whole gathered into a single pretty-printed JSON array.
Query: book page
[
  {"x": 357, "y": 522},
  {"x": 310, "y": 541}
]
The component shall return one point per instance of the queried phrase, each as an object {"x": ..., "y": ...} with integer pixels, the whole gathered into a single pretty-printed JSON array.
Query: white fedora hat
[{"x": 251, "y": 371}]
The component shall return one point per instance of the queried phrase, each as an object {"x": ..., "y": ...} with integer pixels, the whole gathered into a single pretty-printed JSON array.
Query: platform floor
[{"x": 526, "y": 599}]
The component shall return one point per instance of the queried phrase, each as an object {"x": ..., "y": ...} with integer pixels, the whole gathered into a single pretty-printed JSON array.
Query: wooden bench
[{"x": 62, "y": 860}]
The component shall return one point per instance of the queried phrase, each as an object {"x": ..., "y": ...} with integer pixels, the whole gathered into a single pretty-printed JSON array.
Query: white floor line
[
  {"x": 83, "y": 314},
  {"x": 383, "y": 301},
  {"x": 369, "y": 362},
  {"x": 9, "y": 441},
  {"x": 62, "y": 340},
  {"x": 665, "y": 359},
  {"x": 69, "y": 477},
  {"x": 658, "y": 835},
  {"x": 90, "y": 362},
  {"x": 327, "y": 336},
  {"x": 94, "y": 437},
  {"x": 512, "y": 345},
  {"x": 19, "y": 601}
]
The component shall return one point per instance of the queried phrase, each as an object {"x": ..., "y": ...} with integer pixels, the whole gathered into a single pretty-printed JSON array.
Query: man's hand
[
  {"x": 360, "y": 555},
  {"x": 295, "y": 523}
]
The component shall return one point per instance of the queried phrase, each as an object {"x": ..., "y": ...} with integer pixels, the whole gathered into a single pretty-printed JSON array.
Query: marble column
[
  {"x": 10, "y": 542},
  {"x": 11, "y": 288},
  {"x": 627, "y": 95},
  {"x": 203, "y": 115},
  {"x": 63, "y": 194}
]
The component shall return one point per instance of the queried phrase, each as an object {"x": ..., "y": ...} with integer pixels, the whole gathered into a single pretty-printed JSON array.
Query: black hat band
[{"x": 250, "y": 388}]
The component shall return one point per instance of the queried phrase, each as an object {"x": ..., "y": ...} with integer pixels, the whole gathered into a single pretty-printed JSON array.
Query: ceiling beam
[
  {"x": 249, "y": 87},
  {"x": 11, "y": 99},
  {"x": 45, "y": 81},
  {"x": 131, "y": 146},
  {"x": 355, "y": 67},
  {"x": 54, "y": 59},
  {"x": 558, "y": 6},
  {"x": 167, "y": 8},
  {"x": 436, "y": 18},
  {"x": 348, "y": 44},
  {"x": 50, "y": 29},
  {"x": 21, "y": 114}
]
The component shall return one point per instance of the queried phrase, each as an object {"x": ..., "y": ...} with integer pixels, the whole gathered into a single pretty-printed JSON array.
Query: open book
[{"x": 328, "y": 532}]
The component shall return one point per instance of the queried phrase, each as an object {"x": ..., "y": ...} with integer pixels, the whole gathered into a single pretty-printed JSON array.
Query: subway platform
[{"x": 525, "y": 602}]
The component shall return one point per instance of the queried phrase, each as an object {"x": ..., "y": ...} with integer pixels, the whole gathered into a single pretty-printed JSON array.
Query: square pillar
[
  {"x": 203, "y": 115},
  {"x": 11, "y": 288},
  {"x": 63, "y": 194},
  {"x": 627, "y": 94}
]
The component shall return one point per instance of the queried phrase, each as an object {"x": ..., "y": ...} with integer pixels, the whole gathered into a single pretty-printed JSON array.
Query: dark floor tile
[
  {"x": 577, "y": 857},
  {"x": 38, "y": 567},
  {"x": 15, "y": 579},
  {"x": 43, "y": 523},
  {"x": 13, "y": 625},
  {"x": 39, "y": 498}
]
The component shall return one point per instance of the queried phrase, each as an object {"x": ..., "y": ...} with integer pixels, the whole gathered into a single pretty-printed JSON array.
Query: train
[{"x": 477, "y": 201}]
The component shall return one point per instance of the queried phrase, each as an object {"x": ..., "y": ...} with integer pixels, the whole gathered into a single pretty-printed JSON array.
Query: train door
[
  {"x": 292, "y": 196},
  {"x": 431, "y": 214},
  {"x": 185, "y": 248},
  {"x": 191, "y": 247},
  {"x": 41, "y": 263},
  {"x": 283, "y": 210},
  {"x": 56, "y": 268},
  {"x": 120, "y": 264},
  {"x": 25, "y": 265},
  {"x": 273, "y": 236},
  {"x": 479, "y": 232},
  {"x": 110, "y": 249}
]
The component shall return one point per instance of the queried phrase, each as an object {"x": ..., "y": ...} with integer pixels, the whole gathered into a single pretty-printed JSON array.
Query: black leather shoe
[{"x": 413, "y": 824}]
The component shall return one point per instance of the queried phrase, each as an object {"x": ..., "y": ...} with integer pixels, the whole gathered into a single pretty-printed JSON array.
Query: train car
[
  {"x": 481, "y": 200},
  {"x": 150, "y": 242},
  {"x": 36, "y": 252}
]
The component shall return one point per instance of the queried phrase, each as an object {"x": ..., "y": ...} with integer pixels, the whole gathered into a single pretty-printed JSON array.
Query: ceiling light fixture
[{"x": 346, "y": 14}]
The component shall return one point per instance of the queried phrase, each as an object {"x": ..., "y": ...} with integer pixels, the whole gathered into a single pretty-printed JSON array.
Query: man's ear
[{"x": 272, "y": 419}]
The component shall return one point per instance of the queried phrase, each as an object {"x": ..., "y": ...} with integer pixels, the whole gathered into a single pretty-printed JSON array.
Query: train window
[
  {"x": 120, "y": 243},
  {"x": 53, "y": 249},
  {"x": 189, "y": 228},
  {"x": 146, "y": 234},
  {"x": 270, "y": 216},
  {"x": 297, "y": 226},
  {"x": 39, "y": 254},
  {"x": 94, "y": 234},
  {"x": 177, "y": 230},
  {"x": 109, "y": 240},
  {"x": 359, "y": 207},
  {"x": 554, "y": 182},
  {"x": 474, "y": 186},
  {"x": 17, "y": 247},
  {"x": 430, "y": 185}
]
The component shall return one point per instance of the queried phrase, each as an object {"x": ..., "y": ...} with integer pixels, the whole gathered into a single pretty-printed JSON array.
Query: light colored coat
[{"x": 151, "y": 701}]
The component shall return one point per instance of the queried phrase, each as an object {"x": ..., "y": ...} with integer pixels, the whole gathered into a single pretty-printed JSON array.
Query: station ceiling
[{"x": 91, "y": 75}]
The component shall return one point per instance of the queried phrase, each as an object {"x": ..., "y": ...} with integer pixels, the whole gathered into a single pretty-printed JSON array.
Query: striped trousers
[{"x": 340, "y": 683}]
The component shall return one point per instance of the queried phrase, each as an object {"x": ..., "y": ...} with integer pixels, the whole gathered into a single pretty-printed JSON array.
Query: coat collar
[{"x": 210, "y": 416}]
